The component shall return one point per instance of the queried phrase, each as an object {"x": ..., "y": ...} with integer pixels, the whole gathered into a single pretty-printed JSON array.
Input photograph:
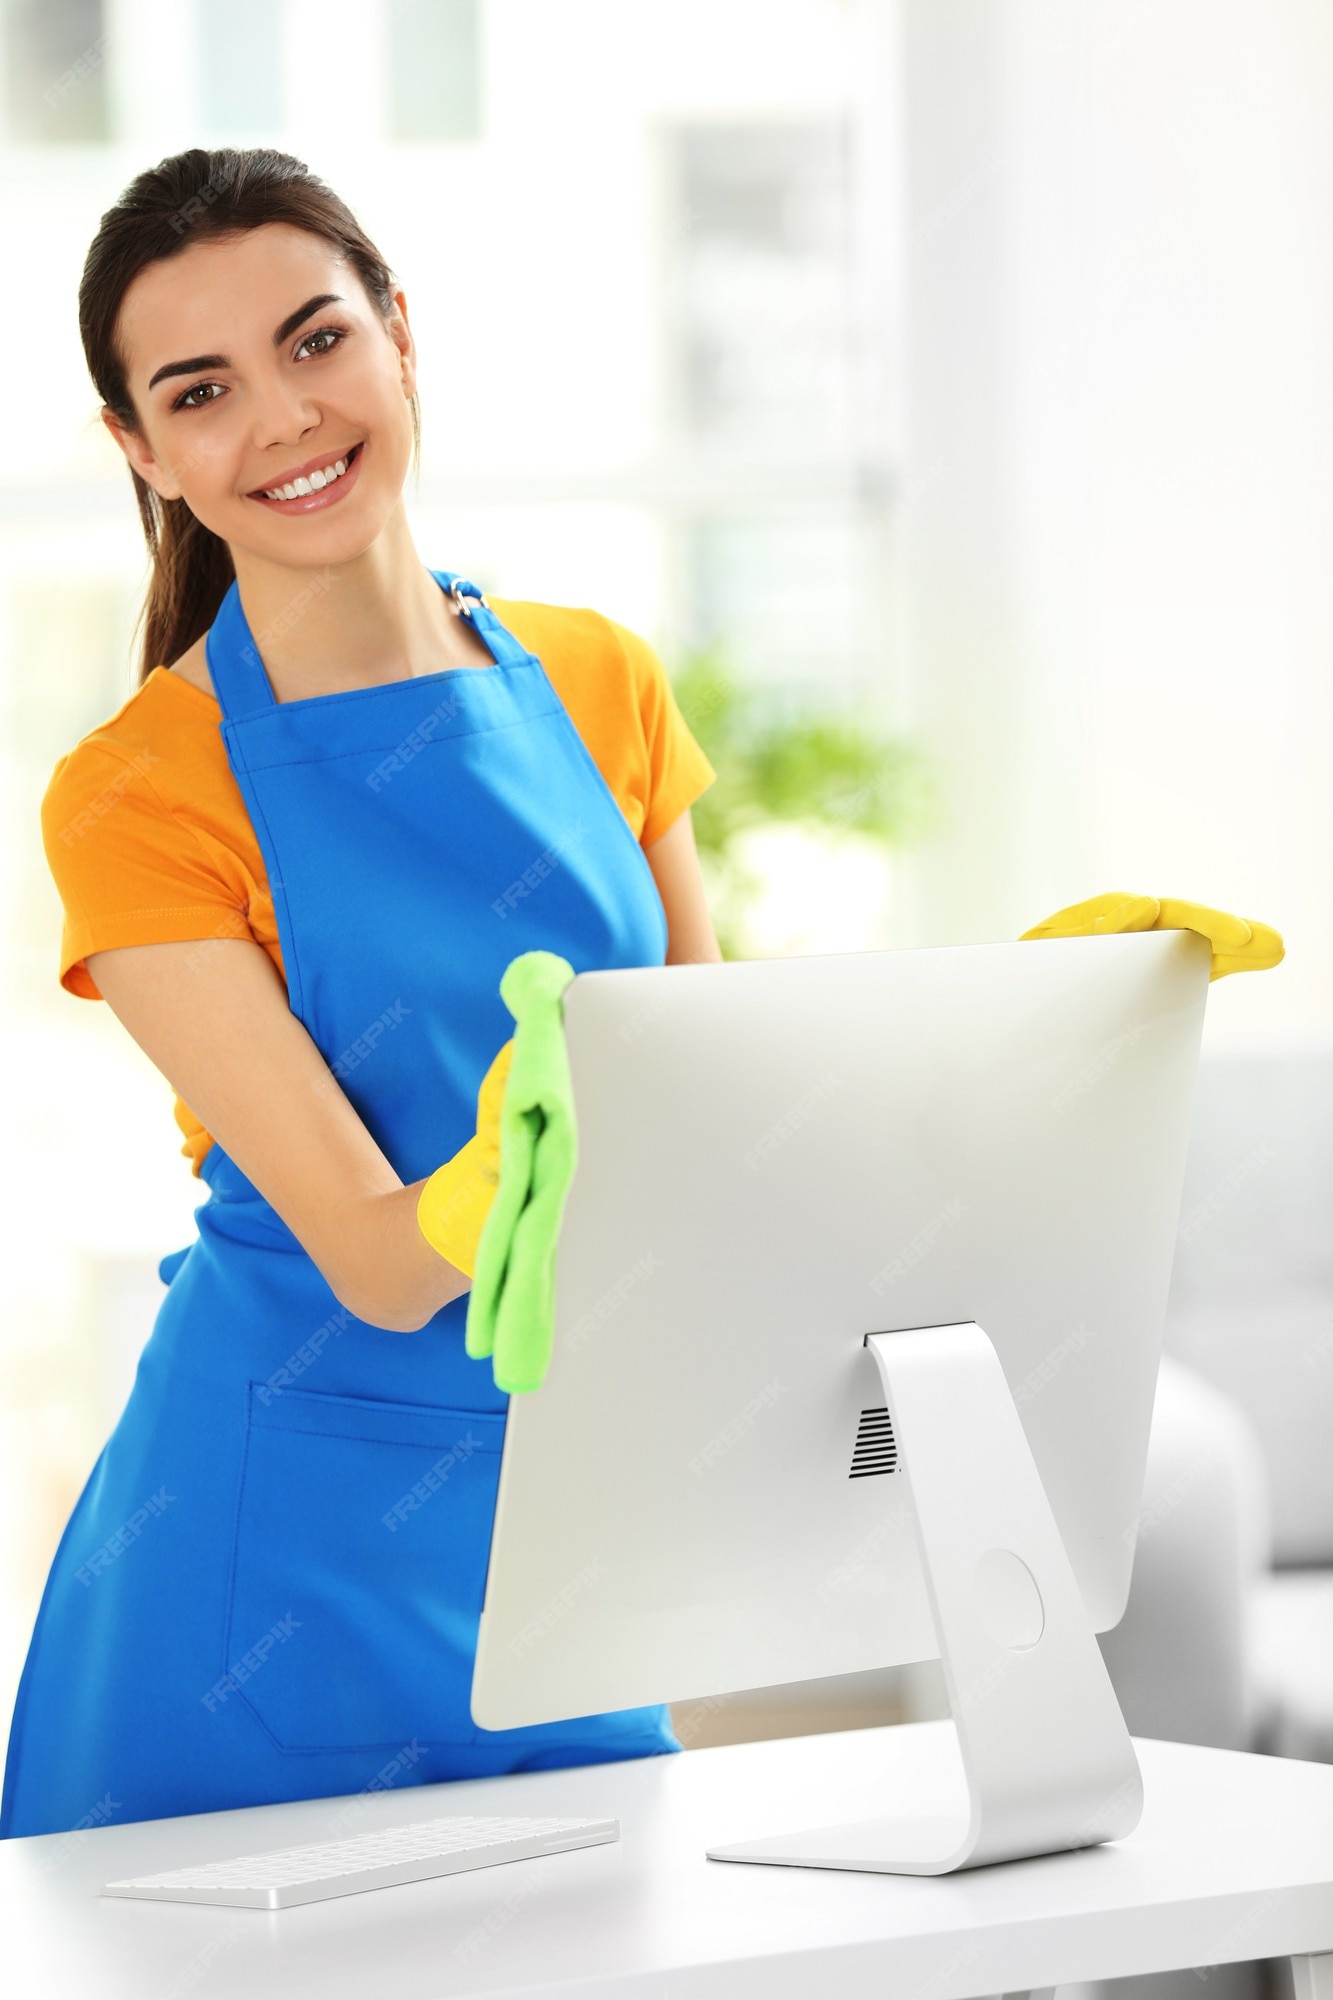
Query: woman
[{"x": 296, "y": 863}]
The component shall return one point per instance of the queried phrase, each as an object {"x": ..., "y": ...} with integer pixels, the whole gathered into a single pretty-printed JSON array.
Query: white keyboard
[{"x": 283, "y": 1876}]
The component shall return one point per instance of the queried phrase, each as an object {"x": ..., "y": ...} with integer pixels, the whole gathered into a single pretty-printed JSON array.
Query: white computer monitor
[{"x": 858, "y": 1310}]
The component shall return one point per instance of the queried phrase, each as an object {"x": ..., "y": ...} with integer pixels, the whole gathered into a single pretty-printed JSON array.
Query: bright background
[{"x": 962, "y": 366}]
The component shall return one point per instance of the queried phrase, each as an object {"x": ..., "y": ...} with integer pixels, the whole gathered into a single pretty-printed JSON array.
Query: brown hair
[{"x": 183, "y": 200}]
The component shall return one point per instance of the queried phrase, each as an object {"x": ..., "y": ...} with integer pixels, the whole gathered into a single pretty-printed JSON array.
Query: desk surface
[{"x": 1233, "y": 1859}]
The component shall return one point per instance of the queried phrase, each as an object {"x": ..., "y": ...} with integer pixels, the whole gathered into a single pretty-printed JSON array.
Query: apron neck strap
[
  {"x": 239, "y": 680},
  {"x": 499, "y": 640},
  {"x": 241, "y": 683}
]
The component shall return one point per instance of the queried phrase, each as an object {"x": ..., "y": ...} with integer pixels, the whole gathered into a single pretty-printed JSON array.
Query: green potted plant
[{"x": 850, "y": 790}]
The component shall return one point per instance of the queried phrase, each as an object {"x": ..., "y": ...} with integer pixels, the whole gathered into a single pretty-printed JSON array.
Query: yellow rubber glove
[
  {"x": 454, "y": 1203},
  {"x": 1239, "y": 944}
]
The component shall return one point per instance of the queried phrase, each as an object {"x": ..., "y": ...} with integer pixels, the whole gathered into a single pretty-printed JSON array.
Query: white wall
[{"x": 1118, "y": 477}]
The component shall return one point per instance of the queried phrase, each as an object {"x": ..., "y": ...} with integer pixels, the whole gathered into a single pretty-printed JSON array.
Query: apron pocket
[{"x": 363, "y": 1532}]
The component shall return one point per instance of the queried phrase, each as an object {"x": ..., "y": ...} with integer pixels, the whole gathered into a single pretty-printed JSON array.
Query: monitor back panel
[{"x": 778, "y": 1157}]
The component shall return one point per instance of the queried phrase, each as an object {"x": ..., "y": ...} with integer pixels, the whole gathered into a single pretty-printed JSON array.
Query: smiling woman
[
  {"x": 296, "y": 864},
  {"x": 221, "y": 393}
]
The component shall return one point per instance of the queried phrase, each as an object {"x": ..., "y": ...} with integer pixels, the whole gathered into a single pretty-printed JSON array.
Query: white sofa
[
  {"x": 1227, "y": 1638},
  {"x": 1181, "y": 1658},
  {"x": 1251, "y": 1311}
]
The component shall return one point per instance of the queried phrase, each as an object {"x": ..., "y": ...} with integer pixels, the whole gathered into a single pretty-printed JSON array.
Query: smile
[{"x": 315, "y": 488}]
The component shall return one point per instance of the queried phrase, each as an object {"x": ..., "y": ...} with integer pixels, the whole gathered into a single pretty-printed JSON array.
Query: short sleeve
[
  {"x": 127, "y": 869},
  {"x": 678, "y": 769}
]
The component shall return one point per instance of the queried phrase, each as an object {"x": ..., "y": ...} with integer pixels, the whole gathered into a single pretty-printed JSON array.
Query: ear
[
  {"x": 400, "y": 333},
  {"x": 139, "y": 456}
]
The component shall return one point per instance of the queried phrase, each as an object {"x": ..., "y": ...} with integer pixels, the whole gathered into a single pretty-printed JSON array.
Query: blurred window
[
  {"x": 762, "y": 280},
  {"x": 787, "y": 594},
  {"x": 237, "y": 73},
  {"x": 55, "y": 72},
  {"x": 760, "y": 378},
  {"x": 434, "y": 69}
]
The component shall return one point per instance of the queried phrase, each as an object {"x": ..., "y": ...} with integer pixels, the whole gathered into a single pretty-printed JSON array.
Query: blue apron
[{"x": 271, "y": 1584}]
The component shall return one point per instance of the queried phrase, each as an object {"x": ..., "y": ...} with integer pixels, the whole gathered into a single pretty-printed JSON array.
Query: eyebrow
[{"x": 289, "y": 325}]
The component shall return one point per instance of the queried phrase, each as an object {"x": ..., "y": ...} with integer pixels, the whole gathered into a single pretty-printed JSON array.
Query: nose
[{"x": 284, "y": 412}]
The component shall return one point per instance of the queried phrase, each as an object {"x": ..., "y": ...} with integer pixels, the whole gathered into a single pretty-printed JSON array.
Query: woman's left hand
[{"x": 1240, "y": 944}]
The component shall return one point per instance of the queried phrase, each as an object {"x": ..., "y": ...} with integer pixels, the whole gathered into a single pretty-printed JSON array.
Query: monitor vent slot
[{"x": 875, "y": 1449}]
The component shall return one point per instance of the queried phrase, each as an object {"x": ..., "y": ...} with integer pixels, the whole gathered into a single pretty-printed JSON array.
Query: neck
[{"x": 379, "y": 616}]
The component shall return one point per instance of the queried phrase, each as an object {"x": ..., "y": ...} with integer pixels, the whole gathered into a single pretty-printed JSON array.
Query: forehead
[{"x": 223, "y": 292}]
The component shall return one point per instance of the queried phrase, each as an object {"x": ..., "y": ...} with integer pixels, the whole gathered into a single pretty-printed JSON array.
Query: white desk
[{"x": 1232, "y": 1860}]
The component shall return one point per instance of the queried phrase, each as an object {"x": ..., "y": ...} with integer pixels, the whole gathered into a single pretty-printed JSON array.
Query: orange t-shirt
[{"x": 149, "y": 839}]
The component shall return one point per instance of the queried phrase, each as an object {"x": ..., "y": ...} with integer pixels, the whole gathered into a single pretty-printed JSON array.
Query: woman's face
[{"x": 251, "y": 409}]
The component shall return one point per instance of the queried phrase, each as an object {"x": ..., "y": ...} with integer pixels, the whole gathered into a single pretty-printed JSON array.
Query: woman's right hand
[{"x": 455, "y": 1201}]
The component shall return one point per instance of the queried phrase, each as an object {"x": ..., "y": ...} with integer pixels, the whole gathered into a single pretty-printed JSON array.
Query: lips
[{"x": 304, "y": 471}]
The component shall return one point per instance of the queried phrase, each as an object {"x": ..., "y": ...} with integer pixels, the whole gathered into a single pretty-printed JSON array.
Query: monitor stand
[{"x": 1045, "y": 1749}]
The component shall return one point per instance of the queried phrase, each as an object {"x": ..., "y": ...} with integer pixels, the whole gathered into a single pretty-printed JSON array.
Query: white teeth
[{"x": 312, "y": 482}]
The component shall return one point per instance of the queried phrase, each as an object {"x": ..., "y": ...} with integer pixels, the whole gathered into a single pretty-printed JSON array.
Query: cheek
[
  {"x": 209, "y": 473},
  {"x": 388, "y": 423}
]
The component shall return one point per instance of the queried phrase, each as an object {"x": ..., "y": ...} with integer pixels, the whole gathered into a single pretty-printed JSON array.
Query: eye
[
  {"x": 336, "y": 334},
  {"x": 183, "y": 402}
]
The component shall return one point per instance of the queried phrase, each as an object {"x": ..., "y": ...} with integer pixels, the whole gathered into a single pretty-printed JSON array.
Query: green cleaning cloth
[{"x": 511, "y": 1310}]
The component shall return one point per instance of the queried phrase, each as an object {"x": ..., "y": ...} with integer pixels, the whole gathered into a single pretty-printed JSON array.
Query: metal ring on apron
[{"x": 457, "y": 587}]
